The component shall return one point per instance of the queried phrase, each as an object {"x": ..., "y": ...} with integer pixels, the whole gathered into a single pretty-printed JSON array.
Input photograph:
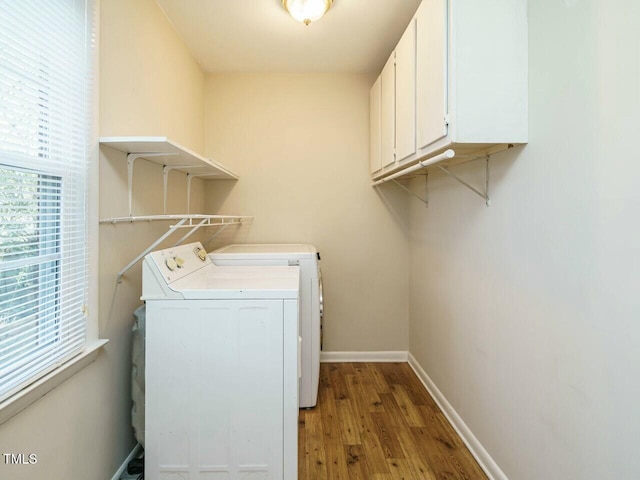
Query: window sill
[{"x": 33, "y": 392}]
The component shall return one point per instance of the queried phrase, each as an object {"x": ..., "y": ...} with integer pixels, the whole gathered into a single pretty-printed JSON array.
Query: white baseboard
[
  {"x": 487, "y": 463},
  {"x": 123, "y": 467},
  {"x": 342, "y": 357}
]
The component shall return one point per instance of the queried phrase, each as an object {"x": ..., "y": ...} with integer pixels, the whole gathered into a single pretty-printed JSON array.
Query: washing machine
[
  {"x": 311, "y": 299},
  {"x": 222, "y": 363}
]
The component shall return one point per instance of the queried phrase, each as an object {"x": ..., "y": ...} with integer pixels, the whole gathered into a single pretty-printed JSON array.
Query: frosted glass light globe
[{"x": 307, "y": 11}]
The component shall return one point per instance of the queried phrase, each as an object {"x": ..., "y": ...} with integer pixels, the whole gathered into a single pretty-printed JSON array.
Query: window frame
[{"x": 57, "y": 374}]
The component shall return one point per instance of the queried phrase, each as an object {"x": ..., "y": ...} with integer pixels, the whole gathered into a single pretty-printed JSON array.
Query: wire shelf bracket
[
  {"x": 131, "y": 160},
  {"x": 165, "y": 182}
]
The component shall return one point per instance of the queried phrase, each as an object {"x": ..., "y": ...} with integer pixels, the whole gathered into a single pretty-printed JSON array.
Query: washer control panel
[{"x": 178, "y": 262}]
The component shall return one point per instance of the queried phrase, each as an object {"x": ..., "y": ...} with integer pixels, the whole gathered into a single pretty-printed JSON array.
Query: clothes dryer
[{"x": 311, "y": 299}]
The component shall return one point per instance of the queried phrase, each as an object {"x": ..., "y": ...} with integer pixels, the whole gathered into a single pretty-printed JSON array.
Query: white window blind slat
[
  {"x": 35, "y": 338},
  {"x": 45, "y": 47},
  {"x": 22, "y": 302},
  {"x": 45, "y": 54},
  {"x": 39, "y": 365},
  {"x": 35, "y": 350}
]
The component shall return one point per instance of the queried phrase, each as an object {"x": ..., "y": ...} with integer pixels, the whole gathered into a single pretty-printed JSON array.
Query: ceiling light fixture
[{"x": 307, "y": 11}]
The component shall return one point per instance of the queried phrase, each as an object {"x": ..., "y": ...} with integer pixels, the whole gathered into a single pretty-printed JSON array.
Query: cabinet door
[
  {"x": 387, "y": 112},
  {"x": 431, "y": 87},
  {"x": 406, "y": 94},
  {"x": 374, "y": 127}
]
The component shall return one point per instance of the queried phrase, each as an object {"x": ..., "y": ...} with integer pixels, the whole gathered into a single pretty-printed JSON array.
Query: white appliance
[
  {"x": 221, "y": 368},
  {"x": 311, "y": 308}
]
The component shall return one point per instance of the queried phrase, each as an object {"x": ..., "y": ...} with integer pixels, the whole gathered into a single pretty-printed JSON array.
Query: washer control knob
[
  {"x": 171, "y": 263},
  {"x": 201, "y": 253},
  {"x": 179, "y": 262}
]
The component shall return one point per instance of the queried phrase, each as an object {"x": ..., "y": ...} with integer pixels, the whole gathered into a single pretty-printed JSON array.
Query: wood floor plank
[
  {"x": 407, "y": 441},
  {"x": 387, "y": 435},
  {"x": 372, "y": 448},
  {"x": 337, "y": 376},
  {"x": 349, "y": 431},
  {"x": 433, "y": 455},
  {"x": 325, "y": 378},
  {"x": 419, "y": 466},
  {"x": 316, "y": 461},
  {"x": 392, "y": 372},
  {"x": 415, "y": 389},
  {"x": 336, "y": 462},
  {"x": 393, "y": 410},
  {"x": 403, "y": 468},
  {"x": 356, "y": 463},
  {"x": 380, "y": 383},
  {"x": 377, "y": 422},
  {"x": 409, "y": 410},
  {"x": 366, "y": 387}
]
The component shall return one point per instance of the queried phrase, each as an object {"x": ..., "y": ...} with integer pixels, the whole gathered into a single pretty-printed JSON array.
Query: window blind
[{"x": 45, "y": 74}]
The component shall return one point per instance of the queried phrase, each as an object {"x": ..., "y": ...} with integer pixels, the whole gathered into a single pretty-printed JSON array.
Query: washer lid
[
  {"x": 220, "y": 283},
  {"x": 265, "y": 251}
]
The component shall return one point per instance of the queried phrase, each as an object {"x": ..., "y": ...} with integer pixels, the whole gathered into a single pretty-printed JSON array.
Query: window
[{"x": 45, "y": 119}]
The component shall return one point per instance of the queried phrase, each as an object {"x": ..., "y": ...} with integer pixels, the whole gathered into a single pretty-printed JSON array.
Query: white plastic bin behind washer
[{"x": 137, "y": 373}]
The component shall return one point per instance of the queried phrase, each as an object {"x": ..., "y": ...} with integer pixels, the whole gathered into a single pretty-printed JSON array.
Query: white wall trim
[
  {"x": 134, "y": 453},
  {"x": 487, "y": 463},
  {"x": 342, "y": 357}
]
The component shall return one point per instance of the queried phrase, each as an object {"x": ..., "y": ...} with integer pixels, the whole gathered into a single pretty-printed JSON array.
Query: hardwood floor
[{"x": 376, "y": 421}]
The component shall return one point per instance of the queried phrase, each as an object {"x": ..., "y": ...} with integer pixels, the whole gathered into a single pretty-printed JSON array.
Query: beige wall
[
  {"x": 149, "y": 82},
  {"x": 300, "y": 146},
  {"x": 525, "y": 314},
  {"x": 150, "y": 85}
]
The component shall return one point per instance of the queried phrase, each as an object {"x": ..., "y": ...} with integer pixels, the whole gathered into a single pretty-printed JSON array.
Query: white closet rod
[
  {"x": 189, "y": 217},
  {"x": 446, "y": 155}
]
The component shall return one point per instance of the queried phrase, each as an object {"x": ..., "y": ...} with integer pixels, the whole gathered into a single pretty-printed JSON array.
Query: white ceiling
[{"x": 260, "y": 36}]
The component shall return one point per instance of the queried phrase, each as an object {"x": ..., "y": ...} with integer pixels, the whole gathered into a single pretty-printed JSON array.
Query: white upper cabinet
[
  {"x": 431, "y": 72},
  {"x": 406, "y": 94},
  {"x": 460, "y": 83},
  {"x": 374, "y": 128},
  {"x": 388, "y": 112}
]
